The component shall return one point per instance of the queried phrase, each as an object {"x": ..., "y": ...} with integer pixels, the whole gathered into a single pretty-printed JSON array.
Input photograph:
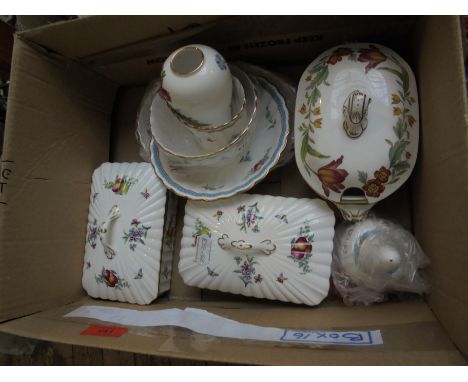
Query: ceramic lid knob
[{"x": 198, "y": 83}]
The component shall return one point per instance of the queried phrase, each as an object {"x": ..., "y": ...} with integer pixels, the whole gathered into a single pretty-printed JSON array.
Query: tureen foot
[{"x": 354, "y": 212}]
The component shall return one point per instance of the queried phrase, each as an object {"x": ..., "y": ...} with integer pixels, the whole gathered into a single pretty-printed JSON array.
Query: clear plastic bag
[{"x": 374, "y": 258}]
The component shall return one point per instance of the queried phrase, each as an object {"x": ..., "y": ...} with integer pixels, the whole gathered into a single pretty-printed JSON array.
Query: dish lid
[
  {"x": 124, "y": 234},
  {"x": 262, "y": 246},
  {"x": 357, "y": 125}
]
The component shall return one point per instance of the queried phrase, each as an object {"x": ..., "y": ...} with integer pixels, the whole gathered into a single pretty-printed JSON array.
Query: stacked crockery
[{"x": 213, "y": 125}]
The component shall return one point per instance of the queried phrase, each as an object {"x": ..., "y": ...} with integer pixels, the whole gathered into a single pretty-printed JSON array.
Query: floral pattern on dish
[
  {"x": 247, "y": 271},
  {"x": 200, "y": 230},
  {"x": 92, "y": 235},
  {"x": 121, "y": 185},
  {"x": 301, "y": 247},
  {"x": 220, "y": 62},
  {"x": 111, "y": 279},
  {"x": 397, "y": 155},
  {"x": 310, "y": 109},
  {"x": 332, "y": 177},
  {"x": 257, "y": 166},
  {"x": 136, "y": 234},
  {"x": 249, "y": 217}
]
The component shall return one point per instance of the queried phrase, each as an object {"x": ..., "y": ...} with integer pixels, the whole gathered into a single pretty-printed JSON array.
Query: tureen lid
[
  {"x": 261, "y": 246},
  {"x": 357, "y": 125},
  {"x": 124, "y": 234}
]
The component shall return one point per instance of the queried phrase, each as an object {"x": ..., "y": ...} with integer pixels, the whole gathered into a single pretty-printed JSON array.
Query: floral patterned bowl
[
  {"x": 228, "y": 177},
  {"x": 185, "y": 149},
  {"x": 357, "y": 126},
  {"x": 259, "y": 245}
]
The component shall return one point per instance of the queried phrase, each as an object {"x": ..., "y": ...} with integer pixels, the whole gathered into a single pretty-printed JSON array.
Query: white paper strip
[{"x": 203, "y": 322}]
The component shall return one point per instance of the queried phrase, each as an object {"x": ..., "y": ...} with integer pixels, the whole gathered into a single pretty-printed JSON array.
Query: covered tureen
[{"x": 356, "y": 126}]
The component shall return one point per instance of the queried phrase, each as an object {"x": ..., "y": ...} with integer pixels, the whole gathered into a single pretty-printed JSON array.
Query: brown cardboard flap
[
  {"x": 57, "y": 132},
  {"x": 266, "y": 40},
  {"x": 90, "y": 35},
  {"x": 441, "y": 181},
  {"x": 411, "y": 334}
]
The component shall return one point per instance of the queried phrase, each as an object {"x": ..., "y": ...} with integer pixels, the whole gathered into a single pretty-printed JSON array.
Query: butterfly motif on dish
[
  {"x": 280, "y": 278},
  {"x": 258, "y": 279},
  {"x": 145, "y": 193},
  {"x": 88, "y": 264},
  {"x": 139, "y": 275},
  {"x": 282, "y": 217},
  {"x": 211, "y": 272}
]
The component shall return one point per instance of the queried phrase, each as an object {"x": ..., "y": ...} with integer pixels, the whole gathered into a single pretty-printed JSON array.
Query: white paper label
[
  {"x": 203, "y": 251},
  {"x": 201, "y": 321}
]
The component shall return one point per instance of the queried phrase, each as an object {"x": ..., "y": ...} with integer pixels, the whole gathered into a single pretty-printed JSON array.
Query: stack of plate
[{"x": 260, "y": 137}]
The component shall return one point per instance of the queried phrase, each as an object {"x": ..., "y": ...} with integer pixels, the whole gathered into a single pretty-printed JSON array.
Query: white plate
[
  {"x": 126, "y": 257},
  {"x": 288, "y": 92},
  {"x": 267, "y": 141},
  {"x": 292, "y": 243}
]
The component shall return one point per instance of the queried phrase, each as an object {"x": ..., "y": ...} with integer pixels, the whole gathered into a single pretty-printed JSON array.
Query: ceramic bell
[
  {"x": 356, "y": 126},
  {"x": 377, "y": 256}
]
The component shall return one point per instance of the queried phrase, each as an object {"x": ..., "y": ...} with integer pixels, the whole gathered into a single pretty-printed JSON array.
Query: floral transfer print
[
  {"x": 120, "y": 185},
  {"x": 145, "y": 193},
  {"x": 332, "y": 177},
  {"x": 249, "y": 217},
  {"x": 220, "y": 62},
  {"x": 136, "y": 234},
  {"x": 92, "y": 234},
  {"x": 200, "y": 230},
  {"x": 210, "y": 187},
  {"x": 398, "y": 156},
  {"x": 282, "y": 218},
  {"x": 246, "y": 157},
  {"x": 218, "y": 214},
  {"x": 211, "y": 272},
  {"x": 166, "y": 272},
  {"x": 139, "y": 274},
  {"x": 310, "y": 109},
  {"x": 111, "y": 279},
  {"x": 301, "y": 247},
  {"x": 247, "y": 271},
  {"x": 373, "y": 188},
  {"x": 280, "y": 278},
  {"x": 338, "y": 54},
  {"x": 270, "y": 119},
  {"x": 260, "y": 163},
  {"x": 372, "y": 55},
  {"x": 164, "y": 94}
]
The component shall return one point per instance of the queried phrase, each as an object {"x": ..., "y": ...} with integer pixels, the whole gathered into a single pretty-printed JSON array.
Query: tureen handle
[
  {"x": 104, "y": 231},
  {"x": 265, "y": 246},
  {"x": 355, "y": 111}
]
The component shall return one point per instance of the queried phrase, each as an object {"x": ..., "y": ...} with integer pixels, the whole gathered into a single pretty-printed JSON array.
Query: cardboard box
[{"x": 75, "y": 87}]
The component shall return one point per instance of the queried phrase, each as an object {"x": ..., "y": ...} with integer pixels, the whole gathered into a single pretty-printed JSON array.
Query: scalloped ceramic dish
[
  {"x": 269, "y": 134},
  {"x": 357, "y": 126},
  {"x": 128, "y": 245},
  {"x": 257, "y": 245}
]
